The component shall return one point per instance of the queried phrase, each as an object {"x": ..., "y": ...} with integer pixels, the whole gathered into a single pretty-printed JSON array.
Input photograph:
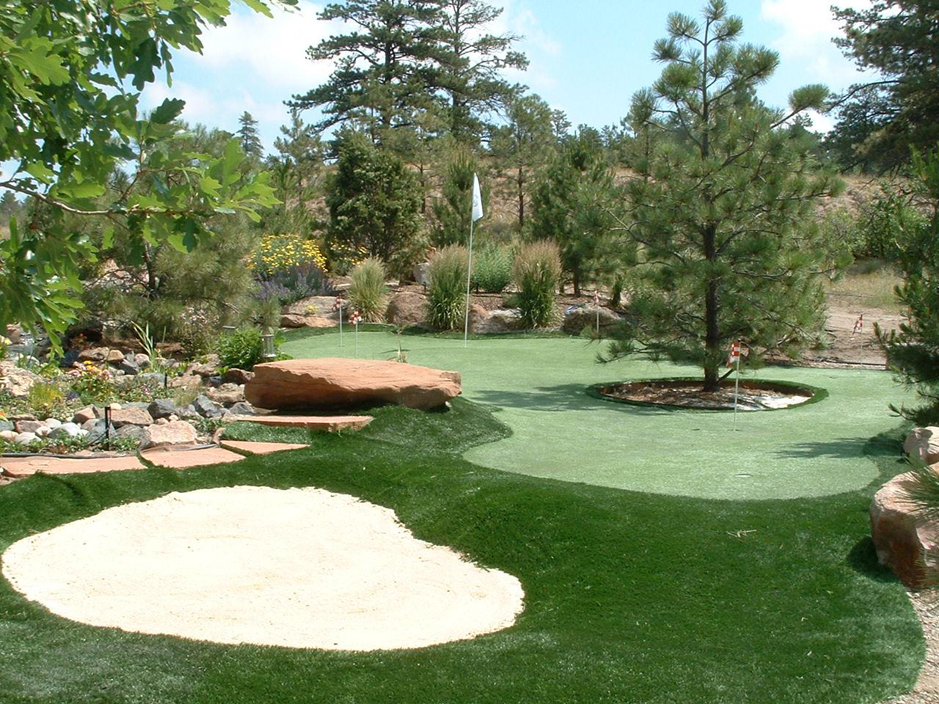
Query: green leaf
[
  {"x": 40, "y": 172},
  {"x": 168, "y": 111}
]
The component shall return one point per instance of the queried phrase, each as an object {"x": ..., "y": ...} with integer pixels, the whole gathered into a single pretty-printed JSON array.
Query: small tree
[
  {"x": 913, "y": 352},
  {"x": 722, "y": 207},
  {"x": 571, "y": 207},
  {"x": 248, "y": 136},
  {"x": 373, "y": 203},
  {"x": 453, "y": 210}
]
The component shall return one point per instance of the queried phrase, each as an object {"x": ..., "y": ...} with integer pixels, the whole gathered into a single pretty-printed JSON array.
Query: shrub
[
  {"x": 537, "y": 272},
  {"x": 492, "y": 268},
  {"x": 368, "y": 291},
  {"x": 447, "y": 290},
  {"x": 45, "y": 399},
  {"x": 241, "y": 349}
]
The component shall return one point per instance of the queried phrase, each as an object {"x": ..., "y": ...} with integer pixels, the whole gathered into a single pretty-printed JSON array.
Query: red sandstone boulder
[
  {"x": 923, "y": 444},
  {"x": 338, "y": 383},
  {"x": 904, "y": 538}
]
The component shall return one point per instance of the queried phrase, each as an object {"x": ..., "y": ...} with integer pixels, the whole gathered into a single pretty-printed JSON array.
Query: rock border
[{"x": 816, "y": 394}]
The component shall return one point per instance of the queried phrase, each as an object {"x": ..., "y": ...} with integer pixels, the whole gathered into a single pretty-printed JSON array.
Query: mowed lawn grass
[
  {"x": 630, "y": 596},
  {"x": 538, "y": 387}
]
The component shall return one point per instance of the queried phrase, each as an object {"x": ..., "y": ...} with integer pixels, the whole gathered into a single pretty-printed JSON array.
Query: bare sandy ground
[{"x": 301, "y": 568}]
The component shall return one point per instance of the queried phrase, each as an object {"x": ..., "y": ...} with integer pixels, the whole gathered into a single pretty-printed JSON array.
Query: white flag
[{"x": 477, "y": 200}]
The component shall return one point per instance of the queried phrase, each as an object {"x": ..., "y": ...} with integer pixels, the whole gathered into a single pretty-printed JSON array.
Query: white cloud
[
  {"x": 273, "y": 49},
  {"x": 808, "y": 27},
  {"x": 540, "y": 48}
]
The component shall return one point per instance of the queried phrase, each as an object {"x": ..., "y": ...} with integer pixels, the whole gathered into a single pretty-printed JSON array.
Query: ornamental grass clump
[
  {"x": 447, "y": 290},
  {"x": 537, "y": 273},
  {"x": 492, "y": 268},
  {"x": 368, "y": 293}
]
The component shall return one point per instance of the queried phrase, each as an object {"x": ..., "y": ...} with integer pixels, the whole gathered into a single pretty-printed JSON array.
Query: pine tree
[
  {"x": 373, "y": 202},
  {"x": 471, "y": 69},
  {"x": 913, "y": 352},
  {"x": 881, "y": 121},
  {"x": 722, "y": 209},
  {"x": 384, "y": 66},
  {"x": 523, "y": 145},
  {"x": 453, "y": 209},
  {"x": 297, "y": 170},
  {"x": 248, "y": 136},
  {"x": 571, "y": 206}
]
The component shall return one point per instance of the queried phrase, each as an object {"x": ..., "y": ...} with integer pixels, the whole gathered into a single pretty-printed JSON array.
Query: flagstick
[
  {"x": 736, "y": 392},
  {"x": 469, "y": 279}
]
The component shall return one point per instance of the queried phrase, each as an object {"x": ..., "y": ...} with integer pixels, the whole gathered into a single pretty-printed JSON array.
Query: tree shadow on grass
[
  {"x": 566, "y": 397},
  {"x": 842, "y": 447}
]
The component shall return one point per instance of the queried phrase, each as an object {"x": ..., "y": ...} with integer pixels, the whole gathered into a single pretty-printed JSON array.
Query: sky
[{"x": 587, "y": 58}]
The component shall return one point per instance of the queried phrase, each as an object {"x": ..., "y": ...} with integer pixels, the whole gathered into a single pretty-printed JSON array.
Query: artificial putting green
[
  {"x": 630, "y": 597},
  {"x": 538, "y": 388}
]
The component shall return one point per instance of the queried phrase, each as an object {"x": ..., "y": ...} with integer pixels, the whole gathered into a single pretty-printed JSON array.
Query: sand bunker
[{"x": 302, "y": 568}]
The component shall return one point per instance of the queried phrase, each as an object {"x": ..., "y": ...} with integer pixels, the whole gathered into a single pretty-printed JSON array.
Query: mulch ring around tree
[{"x": 690, "y": 393}]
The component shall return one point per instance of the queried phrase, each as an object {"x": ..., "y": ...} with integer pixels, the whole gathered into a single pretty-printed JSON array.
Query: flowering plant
[{"x": 91, "y": 382}]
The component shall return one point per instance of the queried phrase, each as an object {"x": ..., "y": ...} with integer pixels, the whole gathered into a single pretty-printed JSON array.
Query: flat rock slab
[
  {"x": 345, "y": 383},
  {"x": 183, "y": 459},
  {"x": 329, "y": 424},
  {"x": 260, "y": 448},
  {"x": 19, "y": 467}
]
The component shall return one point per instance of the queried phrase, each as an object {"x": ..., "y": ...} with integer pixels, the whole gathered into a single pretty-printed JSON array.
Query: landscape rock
[
  {"x": 129, "y": 367},
  {"x": 17, "y": 382},
  {"x": 8, "y": 435},
  {"x": 202, "y": 369},
  {"x": 43, "y": 431},
  {"x": 421, "y": 273},
  {"x": 85, "y": 414},
  {"x": 28, "y": 426},
  {"x": 65, "y": 431},
  {"x": 905, "y": 539},
  {"x": 478, "y": 318},
  {"x": 93, "y": 354},
  {"x": 14, "y": 333},
  {"x": 130, "y": 416},
  {"x": 205, "y": 407},
  {"x": 501, "y": 320},
  {"x": 226, "y": 394},
  {"x": 25, "y": 438},
  {"x": 134, "y": 432},
  {"x": 242, "y": 409},
  {"x": 154, "y": 380},
  {"x": 237, "y": 376},
  {"x": 115, "y": 357},
  {"x": 579, "y": 318},
  {"x": 162, "y": 408},
  {"x": 923, "y": 444},
  {"x": 315, "y": 306},
  {"x": 52, "y": 422},
  {"x": 6, "y": 425},
  {"x": 96, "y": 431},
  {"x": 169, "y": 433},
  {"x": 339, "y": 383},
  {"x": 142, "y": 360},
  {"x": 407, "y": 308}
]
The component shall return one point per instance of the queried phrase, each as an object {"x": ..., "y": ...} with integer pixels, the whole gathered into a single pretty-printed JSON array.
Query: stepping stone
[
  {"x": 260, "y": 448},
  {"x": 331, "y": 424},
  {"x": 183, "y": 459},
  {"x": 20, "y": 467}
]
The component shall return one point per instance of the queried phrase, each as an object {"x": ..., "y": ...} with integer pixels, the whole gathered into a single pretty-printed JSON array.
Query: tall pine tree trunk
[{"x": 712, "y": 340}]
